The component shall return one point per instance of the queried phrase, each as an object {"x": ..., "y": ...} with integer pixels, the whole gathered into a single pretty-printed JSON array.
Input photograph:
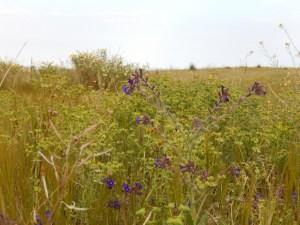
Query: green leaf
[
  {"x": 141, "y": 212},
  {"x": 203, "y": 220},
  {"x": 175, "y": 221}
]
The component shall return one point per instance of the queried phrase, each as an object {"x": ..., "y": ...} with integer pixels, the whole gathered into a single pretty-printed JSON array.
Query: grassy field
[{"x": 175, "y": 148}]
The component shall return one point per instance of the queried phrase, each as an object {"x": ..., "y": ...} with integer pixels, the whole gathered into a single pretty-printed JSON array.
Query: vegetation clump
[
  {"x": 166, "y": 147},
  {"x": 99, "y": 70}
]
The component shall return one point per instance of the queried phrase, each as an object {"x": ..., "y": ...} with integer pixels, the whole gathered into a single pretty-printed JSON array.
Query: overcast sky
[{"x": 161, "y": 33}]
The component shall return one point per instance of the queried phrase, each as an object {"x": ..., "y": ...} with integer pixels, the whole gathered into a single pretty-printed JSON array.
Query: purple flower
[
  {"x": 133, "y": 82},
  {"x": 146, "y": 120},
  {"x": 114, "y": 204},
  {"x": 189, "y": 167},
  {"x": 196, "y": 124},
  {"x": 48, "y": 214},
  {"x": 257, "y": 89},
  {"x": 258, "y": 196},
  {"x": 162, "y": 163},
  {"x": 126, "y": 90},
  {"x": 280, "y": 192},
  {"x": 204, "y": 175},
  {"x": 137, "y": 188},
  {"x": 38, "y": 220},
  {"x": 143, "y": 119},
  {"x": 223, "y": 95},
  {"x": 109, "y": 182},
  {"x": 126, "y": 188},
  {"x": 130, "y": 81},
  {"x": 138, "y": 185},
  {"x": 235, "y": 171},
  {"x": 138, "y": 120},
  {"x": 294, "y": 196}
]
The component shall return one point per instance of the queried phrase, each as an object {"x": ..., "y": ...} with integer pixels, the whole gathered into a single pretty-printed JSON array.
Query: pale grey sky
[{"x": 162, "y": 33}]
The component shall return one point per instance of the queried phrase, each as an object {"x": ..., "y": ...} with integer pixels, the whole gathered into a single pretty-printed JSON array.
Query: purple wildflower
[
  {"x": 133, "y": 82},
  {"x": 162, "y": 163},
  {"x": 196, "y": 124},
  {"x": 138, "y": 185},
  {"x": 146, "y": 120},
  {"x": 114, "y": 204},
  {"x": 143, "y": 119},
  {"x": 235, "y": 171},
  {"x": 223, "y": 95},
  {"x": 258, "y": 196},
  {"x": 280, "y": 192},
  {"x": 189, "y": 167},
  {"x": 130, "y": 81},
  {"x": 257, "y": 89},
  {"x": 138, "y": 120},
  {"x": 38, "y": 220},
  {"x": 137, "y": 188},
  {"x": 48, "y": 214},
  {"x": 126, "y": 90},
  {"x": 294, "y": 196},
  {"x": 109, "y": 182},
  {"x": 126, "y": 188},
  {"x": 204, "y": 175}
]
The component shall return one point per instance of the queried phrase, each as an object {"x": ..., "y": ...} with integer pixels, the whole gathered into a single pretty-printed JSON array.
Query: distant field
[{"x": 172, "y": 149}]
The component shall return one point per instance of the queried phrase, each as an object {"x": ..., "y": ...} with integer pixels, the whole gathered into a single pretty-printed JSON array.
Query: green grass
[{"x": 88, "y": 135}]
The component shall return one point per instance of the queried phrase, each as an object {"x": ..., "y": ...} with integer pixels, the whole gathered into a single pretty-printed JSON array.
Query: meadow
[{"x": 122, "y": 146}]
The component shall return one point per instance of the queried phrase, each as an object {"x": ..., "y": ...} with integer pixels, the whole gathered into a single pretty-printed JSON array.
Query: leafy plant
[{"x": 100, "y": 70}]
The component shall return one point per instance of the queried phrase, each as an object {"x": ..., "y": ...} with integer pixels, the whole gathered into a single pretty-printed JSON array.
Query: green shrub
[
  {"x": 99, "y": 70},
  {"x": 192, "y": 67},
  {"x": 48, "y": 68},
  {"x": 11, "y": 73},
  {"x": 4, "y": 66}
]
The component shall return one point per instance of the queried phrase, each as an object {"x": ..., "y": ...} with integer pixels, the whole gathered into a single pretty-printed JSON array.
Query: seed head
[{"x": 257, "y": 89}]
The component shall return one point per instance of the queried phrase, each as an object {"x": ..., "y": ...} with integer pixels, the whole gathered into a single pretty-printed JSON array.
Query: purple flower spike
[
  {"x": 162, "y": 163},
  {"x": 204, "y": 175},
  {"x": 196, "y": 124},
  {"x": 143, "y": 120},
  {"x": 125, "y": 90},
  {"x": 235, "y": 171},
  {"x": 189, "y": 167},
  {"x": 126, "y": 188},
  {"x": 130, "y": 81},
  {"x": 48, "y": 214},
  {"x": 294, "y": 196},
  {"x": 137, "y": 188},
  {"x": 280, "y": 192},
  {"x": 114, "y": 204},
  {"x": 138, "y": 120},
  {"x": 257, "y": 89},
  {"x": 224, "y": 95},
  {"x": 258, "y": 196},
  {"x": 146, "y": 120},
  {"x": 109, "y": 183},
  {"x": 133, "y": 82},
  {"x": 38, "y": 220}
]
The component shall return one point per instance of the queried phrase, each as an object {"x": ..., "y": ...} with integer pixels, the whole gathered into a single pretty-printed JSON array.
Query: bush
[
  {"x": 48, "y": 68},
  {"x": 192, "y": 67},
  {"x": 4, "y": 65},
  {"x": 10, "y": 73},
  {"x": 99, "y": 70}
]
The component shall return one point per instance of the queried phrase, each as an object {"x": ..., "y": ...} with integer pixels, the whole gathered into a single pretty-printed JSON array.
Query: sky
[{"x": 157, "y": 33}]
